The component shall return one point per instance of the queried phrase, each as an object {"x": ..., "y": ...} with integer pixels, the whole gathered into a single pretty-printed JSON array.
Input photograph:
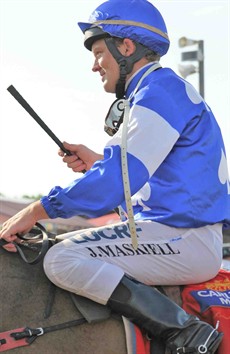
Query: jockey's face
[{"x": 106, "y": 65}]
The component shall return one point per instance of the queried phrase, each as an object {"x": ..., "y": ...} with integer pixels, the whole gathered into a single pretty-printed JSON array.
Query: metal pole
[{"x": 201, "y": 67}]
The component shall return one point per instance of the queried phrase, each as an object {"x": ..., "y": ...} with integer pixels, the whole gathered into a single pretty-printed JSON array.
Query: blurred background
[{"x": 43, "y": 56}]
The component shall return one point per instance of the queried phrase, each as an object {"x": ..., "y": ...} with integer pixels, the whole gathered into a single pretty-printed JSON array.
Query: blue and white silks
[{"x": 176, "y": 159}]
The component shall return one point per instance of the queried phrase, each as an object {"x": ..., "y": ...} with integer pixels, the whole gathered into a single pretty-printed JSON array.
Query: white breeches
[{"x": 92, "y": 262}]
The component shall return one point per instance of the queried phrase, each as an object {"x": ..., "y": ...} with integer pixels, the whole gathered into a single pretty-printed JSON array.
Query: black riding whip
[{"x": 33, "y": 114}]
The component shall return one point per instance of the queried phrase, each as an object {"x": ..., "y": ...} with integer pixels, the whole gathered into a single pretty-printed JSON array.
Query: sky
[{"x": 42, "y": 55}]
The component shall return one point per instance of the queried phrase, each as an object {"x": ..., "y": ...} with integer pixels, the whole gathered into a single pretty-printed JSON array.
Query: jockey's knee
[
  {"x": 72, "y": 269},
  {"x": 59, "y": 263}
]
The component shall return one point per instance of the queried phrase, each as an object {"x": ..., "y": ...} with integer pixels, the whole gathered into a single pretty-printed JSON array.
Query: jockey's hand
[
  {"x": 21, "y": 223},
  {"x": 82, "y": 158}
]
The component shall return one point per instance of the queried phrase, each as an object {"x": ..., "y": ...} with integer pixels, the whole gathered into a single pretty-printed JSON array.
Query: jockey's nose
[{"x": 96, "y": 67}]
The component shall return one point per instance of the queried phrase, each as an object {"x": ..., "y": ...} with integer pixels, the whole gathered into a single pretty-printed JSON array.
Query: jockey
[{"x": 170, "y": 157}]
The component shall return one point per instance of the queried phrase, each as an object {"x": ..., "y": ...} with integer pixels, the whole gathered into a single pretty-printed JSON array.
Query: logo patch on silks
[
  {"x": 213, "y": 296},
  {"x": 210, "y": 301}
]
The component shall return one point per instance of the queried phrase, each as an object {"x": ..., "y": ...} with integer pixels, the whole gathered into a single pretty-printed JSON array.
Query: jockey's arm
[{"x": 21, "y": 223}]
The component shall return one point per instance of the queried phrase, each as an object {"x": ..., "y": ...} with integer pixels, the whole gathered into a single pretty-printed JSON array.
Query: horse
[
  {"x": 24, "y": 294},
  {"x": 29, "y": 300}
]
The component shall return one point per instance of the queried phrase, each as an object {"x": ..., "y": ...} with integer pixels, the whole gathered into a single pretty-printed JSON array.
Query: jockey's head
[{"x": 137, "y": 20}]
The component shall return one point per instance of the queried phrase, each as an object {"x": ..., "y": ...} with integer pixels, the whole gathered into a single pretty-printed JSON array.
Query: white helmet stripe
[{"x": 132, "y": 23}]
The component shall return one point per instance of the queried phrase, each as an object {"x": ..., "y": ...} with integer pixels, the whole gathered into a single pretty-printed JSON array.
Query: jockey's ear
[{"x": 127, "y": 47}]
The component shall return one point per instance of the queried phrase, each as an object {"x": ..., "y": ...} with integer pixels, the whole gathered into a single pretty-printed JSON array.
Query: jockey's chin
[{"x": 108, "y": 86}]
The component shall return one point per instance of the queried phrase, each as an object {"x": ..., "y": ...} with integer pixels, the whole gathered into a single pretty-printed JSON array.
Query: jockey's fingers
[
  {"x": 80, "y": 167},
  {"x": 8, "y": 238},
  {"x": 61, "y": 153},
  {"x": 75, "y": 163},
  {"x": 69, "y": 159},
  {"x": 10, "y": 247}
]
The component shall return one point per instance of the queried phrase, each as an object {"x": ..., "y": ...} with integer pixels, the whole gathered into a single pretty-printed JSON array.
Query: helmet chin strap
[{"x": 125, "y": 63}]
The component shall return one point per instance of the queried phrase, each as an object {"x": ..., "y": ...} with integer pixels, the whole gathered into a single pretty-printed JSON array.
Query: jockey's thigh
[{"x": 91, "y": 262}]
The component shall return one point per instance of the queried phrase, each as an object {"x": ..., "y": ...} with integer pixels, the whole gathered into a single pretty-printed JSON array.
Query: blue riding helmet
[{"x": 137, "y": 20}]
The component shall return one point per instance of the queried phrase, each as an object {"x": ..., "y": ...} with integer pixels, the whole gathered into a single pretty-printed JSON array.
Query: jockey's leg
[
  {"x": 93, "y": 263},
  {"x": 161, "y": 317},
  {"x": 165, "y": 256}
]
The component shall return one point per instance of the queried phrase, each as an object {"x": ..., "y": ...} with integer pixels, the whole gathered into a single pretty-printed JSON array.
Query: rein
[
  {"x": 34, "y": 333},
  {"x": 43, "y": 238},
  {"x": 21, "y": 337}
]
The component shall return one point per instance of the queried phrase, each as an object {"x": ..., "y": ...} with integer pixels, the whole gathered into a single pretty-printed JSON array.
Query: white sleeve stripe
[{"x": 148, "y": 131}]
